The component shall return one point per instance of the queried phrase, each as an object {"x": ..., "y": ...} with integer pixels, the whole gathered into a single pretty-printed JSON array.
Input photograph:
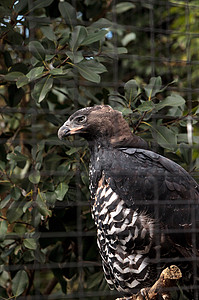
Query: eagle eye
[{"x": 80, "y": 119}]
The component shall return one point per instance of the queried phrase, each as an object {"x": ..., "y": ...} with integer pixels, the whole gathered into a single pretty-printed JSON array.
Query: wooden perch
[{"x": 167, "y": 279}]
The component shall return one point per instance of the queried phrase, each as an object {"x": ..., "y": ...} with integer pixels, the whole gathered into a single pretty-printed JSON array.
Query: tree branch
[{"x": 167, "y": 279}]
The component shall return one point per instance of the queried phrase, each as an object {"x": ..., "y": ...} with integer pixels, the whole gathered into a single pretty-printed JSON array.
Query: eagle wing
[
  {"x": 151, "y": 183},
  {"x": 144, "y": 205}
]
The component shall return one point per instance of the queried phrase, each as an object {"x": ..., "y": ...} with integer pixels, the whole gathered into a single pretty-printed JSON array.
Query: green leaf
[
  {"x": 41, "y": 204},
  {"x": 102, "y": 23},
  {"x": 68, "y": 12},
  {"x": 14, "y": 37},
  {"x": 2, "y": 165},
  {"x": 15, "y": 193},
  {"x": 19, "y": 283},
  {"x": 126, "y": 111},
  {"x": 72, "y": 150},
  {"x": 131, "y": 89},
  {"x": 94, "y": 37},
  {"x": 34, "y": 177},
  {"x": 87, "y": 74},
  {"x": 5, "y": 201},
  {"x": 76, "y": 57},
  {"x": 14, "y": 211},
  {"x": 78, "y": 35},
  {"x": 116, "y": 97},
  {"x": 27, "y": 205},
  {"x": 51, "y": 198},
  {"x": 41, "y": 3},
  {"x": 13, "y": 76},
  {"x": 166, "y": 86},
  {"x": 40, "y": 256},
  {"x": 52, "y": 119},
  {"x": 59, "y": 71},
  {"x": 30, "y": 243},
  {"x": 94, "y": 280},
  {"x": 41, "y": 88},
  {"x": 21, "y": 81},
  {"x": 123, "y": 7},
  {"x": 37, "y": 50},
  {"x": 61, "y": 190},
  {"x": 197, "y": 111},
  {"x": 90, "y": 70},
  {"x": 173, "y": 100},
  {"x": 48, "y": 32},
  {"x": 146, "y": 106},
  {"x": 34, "y": 151},
  {"x": 85, "y": 179},
  {"x": 153, "y": 87},
  {"x": 186, "y": 153},
  {"x": 121, "y": 50},
  {"x": 35, "y": 73},
  {"x": 5, "y": 277},
  {"x": 64, "y": 39},
  {"x": 113, "y": 52},
  {"x": 128, "y": 38},
  {"x": 3, "y": 229},
  {"x": 17, "y": 156},
  {"x": 41, "y": 145},
  {"x": 11, "y": 249},
  {"x": 165, "y": 137}
]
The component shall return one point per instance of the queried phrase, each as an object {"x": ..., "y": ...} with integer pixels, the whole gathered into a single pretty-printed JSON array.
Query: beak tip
[{"x": 63, "y": 132}]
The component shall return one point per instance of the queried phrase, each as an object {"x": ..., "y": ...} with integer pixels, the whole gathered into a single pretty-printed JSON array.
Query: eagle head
[
  {"x": 91, "y": 122},
  {"x": 101, "y": 123}
]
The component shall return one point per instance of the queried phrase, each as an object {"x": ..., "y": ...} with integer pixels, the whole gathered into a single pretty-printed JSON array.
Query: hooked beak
[
  {"x": 66, "y": 130},
  {"x": 63, "y": 132}
]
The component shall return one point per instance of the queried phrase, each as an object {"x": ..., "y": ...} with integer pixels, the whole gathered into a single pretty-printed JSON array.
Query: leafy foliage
[{"x": 56, "y": 58}]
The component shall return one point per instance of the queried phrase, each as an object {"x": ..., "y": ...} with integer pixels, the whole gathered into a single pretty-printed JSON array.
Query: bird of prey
[{"x": 145, "y": 206}]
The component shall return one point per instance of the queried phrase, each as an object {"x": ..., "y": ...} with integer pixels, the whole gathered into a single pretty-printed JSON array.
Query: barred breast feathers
[{"x": 119, "y": 231}]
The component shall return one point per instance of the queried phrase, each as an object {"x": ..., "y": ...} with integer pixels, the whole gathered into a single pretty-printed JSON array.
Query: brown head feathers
[{"x": 103, "y": 124}]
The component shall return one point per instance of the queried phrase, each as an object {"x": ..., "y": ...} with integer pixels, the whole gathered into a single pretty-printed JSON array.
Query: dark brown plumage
[{"x": 144, "y": 205}]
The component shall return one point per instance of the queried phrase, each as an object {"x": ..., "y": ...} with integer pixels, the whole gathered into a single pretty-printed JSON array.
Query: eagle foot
[{"x": 167, "y": 279}]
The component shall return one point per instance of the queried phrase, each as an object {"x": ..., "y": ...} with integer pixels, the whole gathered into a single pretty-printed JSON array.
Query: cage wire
[{"x": 65, "y": 274}]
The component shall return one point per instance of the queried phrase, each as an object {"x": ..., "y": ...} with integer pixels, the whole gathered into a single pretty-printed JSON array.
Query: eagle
[{"x": 144, "y": 205}]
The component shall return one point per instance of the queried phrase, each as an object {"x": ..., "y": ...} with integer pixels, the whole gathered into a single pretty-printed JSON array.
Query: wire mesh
[{"x": 159, "y": 47}]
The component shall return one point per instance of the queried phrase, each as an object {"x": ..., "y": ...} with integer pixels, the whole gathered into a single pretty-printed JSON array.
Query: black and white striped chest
[{"x": 124, "y": 238}]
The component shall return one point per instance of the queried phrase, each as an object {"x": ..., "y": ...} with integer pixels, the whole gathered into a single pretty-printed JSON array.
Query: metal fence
[{"x": 161, "y": 38}]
